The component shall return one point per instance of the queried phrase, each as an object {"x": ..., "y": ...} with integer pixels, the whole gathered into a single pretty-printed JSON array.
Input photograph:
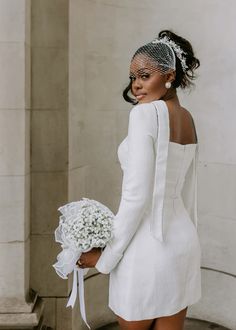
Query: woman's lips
[{"x": 139, "y": 97}]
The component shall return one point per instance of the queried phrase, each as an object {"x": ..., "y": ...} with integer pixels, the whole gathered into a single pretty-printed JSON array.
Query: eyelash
[{"x": 143, "y": 76}]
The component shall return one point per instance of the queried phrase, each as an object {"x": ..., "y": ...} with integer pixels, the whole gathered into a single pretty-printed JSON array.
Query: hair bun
[{"x": 183, "y": 79}]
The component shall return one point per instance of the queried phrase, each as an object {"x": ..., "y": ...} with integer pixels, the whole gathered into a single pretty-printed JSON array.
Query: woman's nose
[{"x": 137, "y": 83}]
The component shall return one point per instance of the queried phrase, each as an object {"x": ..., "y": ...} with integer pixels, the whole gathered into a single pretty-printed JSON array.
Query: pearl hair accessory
[
  {"x": 168, "y": 84},
  {"x": 178, "y": 51}
]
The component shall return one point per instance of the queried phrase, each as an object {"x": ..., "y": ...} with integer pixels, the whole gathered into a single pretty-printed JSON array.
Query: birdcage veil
[
  {"x": 167, "y": 52},
  {"x": 161, "y": 54}
]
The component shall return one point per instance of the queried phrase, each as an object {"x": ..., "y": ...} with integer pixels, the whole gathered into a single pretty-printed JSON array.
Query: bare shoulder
[
  {"x": 189, "y": 124},
  {"x": 187, "y": 113}
]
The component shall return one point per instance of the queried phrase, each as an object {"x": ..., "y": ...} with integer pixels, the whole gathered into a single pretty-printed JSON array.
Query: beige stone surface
[
  {"x": 28, "y": 76},
  {"x": 28, "y": 24},
  {"x": 105, "y": 92},
  {"x": 85, "y": 182},
  {"x": 99, "y": 141},
  {"x": 16, "y": 302},
  {"x": 14, "y": 149},
  {"x": 49, "y": 78},
  {"x": 27, "y": 139},
  {"x": 49, "y": 140},
  {"x": 49, "y": 23},
  {"x": 77, "y": 137},
  {"x": 12, "y": 82},
  {"x": 14, "y": 257},
  {"x": 122, "y": 120},
  {"x": 78, "y": 97},
  {"x": 12, "y": 20},
  {"x": 218, "y": 299},
  {"x": 49, "y": 148},
  {"x": 104, "y": 184},
  {"x": 44, "y": 279},
  {"x": 14, "y": 208},
  {"x": 49, "y": 191},
  {"x": 218, "y": 183},
  {"x": 217, "y": 237},
  {"x": 22, "y": 320},
  {"x": 217, "y": 226},
  {"x": 49, "y": 315},
  {"x": 64, "y": 315},
  {"x": 78, "y": 181}
]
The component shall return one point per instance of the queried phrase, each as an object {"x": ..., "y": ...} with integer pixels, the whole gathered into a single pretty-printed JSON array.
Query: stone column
[
  {"x": 93, "y": 170},
  {"x": 19, "y": 306},
  {"x": 49, "y": 153}
]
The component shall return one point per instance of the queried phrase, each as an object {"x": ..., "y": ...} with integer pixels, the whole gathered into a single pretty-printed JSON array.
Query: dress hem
[{"x": 157, "y": 315}]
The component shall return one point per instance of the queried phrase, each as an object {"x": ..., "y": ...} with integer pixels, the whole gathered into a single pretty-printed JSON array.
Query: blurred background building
[{"x": 64, "y": 65}]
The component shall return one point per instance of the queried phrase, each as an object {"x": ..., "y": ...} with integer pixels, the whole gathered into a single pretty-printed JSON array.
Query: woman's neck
[{"x": 171, "y": 95}]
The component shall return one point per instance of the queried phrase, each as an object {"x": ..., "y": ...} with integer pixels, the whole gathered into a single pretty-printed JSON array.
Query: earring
[{"x": 168, "y": 84}]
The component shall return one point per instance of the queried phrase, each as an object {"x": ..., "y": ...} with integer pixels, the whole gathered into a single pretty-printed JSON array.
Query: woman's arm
[{"x": 137, "y": 187}]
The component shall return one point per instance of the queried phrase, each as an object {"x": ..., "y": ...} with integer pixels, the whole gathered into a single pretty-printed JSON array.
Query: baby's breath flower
[{"x": 86, "y": 223}]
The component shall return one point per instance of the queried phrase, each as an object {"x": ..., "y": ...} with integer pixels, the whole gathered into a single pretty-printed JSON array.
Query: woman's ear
[{"x": 170, "y": 76}]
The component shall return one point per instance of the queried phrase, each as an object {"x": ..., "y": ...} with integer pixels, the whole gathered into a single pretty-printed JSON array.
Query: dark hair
[{"x": 182, "y": 79}]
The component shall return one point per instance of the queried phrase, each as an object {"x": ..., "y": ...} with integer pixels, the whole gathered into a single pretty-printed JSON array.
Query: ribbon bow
[{"x": 66, "y": 263}]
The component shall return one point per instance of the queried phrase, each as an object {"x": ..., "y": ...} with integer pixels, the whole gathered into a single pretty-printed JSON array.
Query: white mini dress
[{"x": 154, "y": 258}]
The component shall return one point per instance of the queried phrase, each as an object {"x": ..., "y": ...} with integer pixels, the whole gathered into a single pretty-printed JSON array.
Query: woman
[{"x": 154, "y": 257}]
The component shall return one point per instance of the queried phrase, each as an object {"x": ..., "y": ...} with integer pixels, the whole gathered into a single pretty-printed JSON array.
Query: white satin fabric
[
  {"x": 154, "y": 256},
  {"x": 66, "y": 264}
]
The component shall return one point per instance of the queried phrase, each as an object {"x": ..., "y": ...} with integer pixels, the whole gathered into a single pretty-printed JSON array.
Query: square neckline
[
  {"x": 172, "y": 142},
  {"x": 183, "y": 145}
]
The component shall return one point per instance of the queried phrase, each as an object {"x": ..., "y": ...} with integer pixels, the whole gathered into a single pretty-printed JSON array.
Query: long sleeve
[{"x": 137, "y": 187}]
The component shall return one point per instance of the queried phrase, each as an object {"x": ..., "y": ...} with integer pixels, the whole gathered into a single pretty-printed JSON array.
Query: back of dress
[
  {"x": 154, "y": 258},
  {"x": 175, "y": 173}
]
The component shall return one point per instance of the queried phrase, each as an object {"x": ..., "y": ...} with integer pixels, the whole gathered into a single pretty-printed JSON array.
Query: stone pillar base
[{"x": 24, "y": 321}]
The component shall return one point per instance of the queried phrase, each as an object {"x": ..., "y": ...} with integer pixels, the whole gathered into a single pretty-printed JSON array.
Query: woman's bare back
[{"x": 182, "y": 128}]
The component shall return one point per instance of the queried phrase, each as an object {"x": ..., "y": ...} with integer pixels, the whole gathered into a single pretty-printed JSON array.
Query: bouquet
[{"x": 83, "y": 225}]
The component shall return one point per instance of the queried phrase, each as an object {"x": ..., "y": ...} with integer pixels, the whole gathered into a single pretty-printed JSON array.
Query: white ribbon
[
  {"x": 66, "y": 263},
  {"x": 78, "y": 278},
  {"x": 195, "y": 178},
  {"x": 156, "y": 225}
]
